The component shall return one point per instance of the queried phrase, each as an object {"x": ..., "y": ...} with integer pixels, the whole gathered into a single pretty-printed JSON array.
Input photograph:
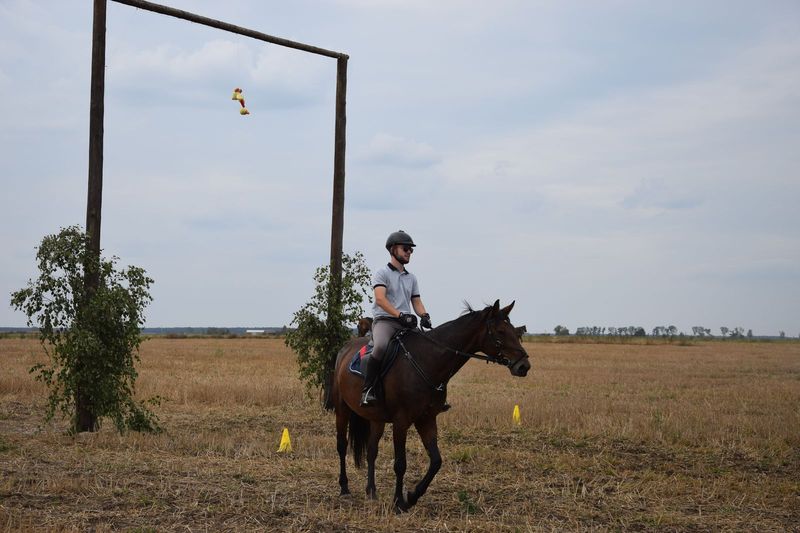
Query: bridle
[{"x": 499, "y": 359}]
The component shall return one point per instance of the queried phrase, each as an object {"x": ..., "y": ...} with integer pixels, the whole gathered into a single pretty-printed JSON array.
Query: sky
[{"x": 610, "y": 163}]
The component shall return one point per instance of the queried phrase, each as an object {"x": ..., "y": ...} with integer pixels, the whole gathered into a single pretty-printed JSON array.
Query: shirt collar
[{"x": 394, "y": 268}]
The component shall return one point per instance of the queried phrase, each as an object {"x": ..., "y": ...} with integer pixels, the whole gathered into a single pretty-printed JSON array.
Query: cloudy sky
[{"x": 607, "y": 163}]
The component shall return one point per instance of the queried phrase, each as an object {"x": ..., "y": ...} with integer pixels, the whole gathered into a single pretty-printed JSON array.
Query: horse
[
  {"x": 414, "y": 391},
  {"x": 364, "y": 326}
]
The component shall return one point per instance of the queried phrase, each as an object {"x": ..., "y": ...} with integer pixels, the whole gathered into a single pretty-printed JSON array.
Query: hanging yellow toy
[{"x": 237, "y": 95}]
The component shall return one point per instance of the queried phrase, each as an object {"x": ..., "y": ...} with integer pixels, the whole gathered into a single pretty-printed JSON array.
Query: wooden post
[
  {"x": 337, "y": 215},
  {"x": 94, "y": 200},
  {"x": 85, "y": 418},
  {"x": 337, "y": 227}
]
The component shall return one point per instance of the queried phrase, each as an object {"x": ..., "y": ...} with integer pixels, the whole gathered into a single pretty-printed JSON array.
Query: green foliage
[
  {"x": 467, "y": 504},
  {"x": 323, "y": 324},
  {"x": 92, "y": 337}
]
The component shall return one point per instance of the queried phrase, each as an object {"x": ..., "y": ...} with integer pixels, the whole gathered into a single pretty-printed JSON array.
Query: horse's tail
[{"x": 358, "y": 436}]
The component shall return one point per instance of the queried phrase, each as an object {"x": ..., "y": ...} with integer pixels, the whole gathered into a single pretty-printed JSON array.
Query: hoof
[
  {"x": 400, "y": 507},
  {"x": 344, "y": 492},
  {"x": 411, "y": 499}
]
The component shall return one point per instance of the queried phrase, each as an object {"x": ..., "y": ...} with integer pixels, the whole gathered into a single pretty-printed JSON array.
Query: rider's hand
[
  {"x": 426, "y": 321},
  {"x": 407, "y": 320}
]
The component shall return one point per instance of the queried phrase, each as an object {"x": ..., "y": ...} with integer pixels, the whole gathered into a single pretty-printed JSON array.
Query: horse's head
[
  {"x": 364, "y": 325},
  {"x": 500, "y": 340}
]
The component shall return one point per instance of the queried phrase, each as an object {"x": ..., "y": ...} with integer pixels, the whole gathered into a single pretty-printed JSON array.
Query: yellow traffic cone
[
  {"x": 286, "y": 443},
  {"x": 516, "y": 417}
]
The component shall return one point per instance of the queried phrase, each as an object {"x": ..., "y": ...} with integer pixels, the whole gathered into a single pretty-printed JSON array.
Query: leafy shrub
[
  {"x": 91, "y": 336},
  {"x": 323, "y": 324}
]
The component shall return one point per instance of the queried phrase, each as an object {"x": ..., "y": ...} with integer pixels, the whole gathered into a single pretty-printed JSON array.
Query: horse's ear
[
  {"x": 495, "y": 308},
  {"x": 506, "y": 310}
]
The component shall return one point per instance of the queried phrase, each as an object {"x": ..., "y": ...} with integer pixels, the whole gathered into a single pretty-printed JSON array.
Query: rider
[{"x": 396, "y": 293}]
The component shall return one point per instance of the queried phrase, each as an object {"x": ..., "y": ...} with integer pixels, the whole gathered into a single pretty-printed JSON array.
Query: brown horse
[
  {"x": 413, "y": 391},
  {"x": 364, "y": 326}
]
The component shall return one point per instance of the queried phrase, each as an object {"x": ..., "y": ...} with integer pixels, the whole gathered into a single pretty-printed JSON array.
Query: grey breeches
[{"x": 382, "y": 332}]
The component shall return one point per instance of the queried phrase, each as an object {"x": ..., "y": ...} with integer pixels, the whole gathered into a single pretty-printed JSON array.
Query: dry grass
[{"x": 614, "y": 437}]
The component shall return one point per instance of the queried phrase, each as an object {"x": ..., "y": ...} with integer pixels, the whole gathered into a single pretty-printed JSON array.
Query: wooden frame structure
[{"x": 96, "y": 112}]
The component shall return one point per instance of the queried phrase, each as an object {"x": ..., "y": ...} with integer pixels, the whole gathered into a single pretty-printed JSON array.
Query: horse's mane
[
  {"x": 467, "y": 309},
  {"x": 466, "y": 312}
]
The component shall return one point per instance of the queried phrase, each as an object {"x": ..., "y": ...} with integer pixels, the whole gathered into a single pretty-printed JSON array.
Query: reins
[
  {"x": 420, "y": 371},
  {"x": 499, "y": 359}
]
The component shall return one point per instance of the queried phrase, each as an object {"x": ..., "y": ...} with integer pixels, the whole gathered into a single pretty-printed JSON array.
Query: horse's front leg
[
  {"x": 342, "y": 419},
  {"x": 399, "y": 434},
  {"x": 375, "y": 434},
  {"x": 427, "y": 432}
]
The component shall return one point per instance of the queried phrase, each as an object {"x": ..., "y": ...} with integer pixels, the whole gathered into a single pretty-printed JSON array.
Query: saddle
[{"x": 361, "y": 356}]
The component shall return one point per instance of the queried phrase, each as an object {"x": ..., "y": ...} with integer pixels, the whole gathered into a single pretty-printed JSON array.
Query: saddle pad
[{"x": 355, "y": 363}]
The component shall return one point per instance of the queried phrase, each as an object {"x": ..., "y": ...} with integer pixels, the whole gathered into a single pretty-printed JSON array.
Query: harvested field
[{"x": 704, "y": 436}]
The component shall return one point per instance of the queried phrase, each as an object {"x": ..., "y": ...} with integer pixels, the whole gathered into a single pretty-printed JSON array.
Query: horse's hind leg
[
  {"x": 342, "y": 418},
  {"x": 375, "y": 434},
  {"x": 427, "y": 432}
]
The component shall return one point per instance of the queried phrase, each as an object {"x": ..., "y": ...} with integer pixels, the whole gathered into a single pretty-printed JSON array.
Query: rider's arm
[
  {"x": 383, "y": 302},
  {"x": 419, "y": 307}
]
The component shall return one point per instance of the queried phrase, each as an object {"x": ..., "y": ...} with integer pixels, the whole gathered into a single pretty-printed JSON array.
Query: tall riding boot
[{"x": 371, "y": 374}]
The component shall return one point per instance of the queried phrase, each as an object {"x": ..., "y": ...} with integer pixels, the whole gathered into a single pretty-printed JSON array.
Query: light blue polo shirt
[{"x": 401, "y": 287}]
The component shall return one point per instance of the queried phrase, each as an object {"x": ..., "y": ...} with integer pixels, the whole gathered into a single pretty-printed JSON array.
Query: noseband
[{"x": 499, "y": 359}]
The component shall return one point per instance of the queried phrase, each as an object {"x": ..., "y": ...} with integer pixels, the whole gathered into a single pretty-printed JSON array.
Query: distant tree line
[
  {"x": 658, "y": 331},
  {"x": 597, "y": 331}
]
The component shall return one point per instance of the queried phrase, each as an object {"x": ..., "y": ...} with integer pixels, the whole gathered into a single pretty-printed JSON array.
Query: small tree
[
  {"x": 322, "y": 326},
  {"x": 91, "y": 337},
  {"x": 561, "y": 330}
]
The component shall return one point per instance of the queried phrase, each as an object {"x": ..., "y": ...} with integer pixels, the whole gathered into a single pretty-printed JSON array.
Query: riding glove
[
  {"x": 407, "y": 320},
  {"x": 426, "y": 321}
]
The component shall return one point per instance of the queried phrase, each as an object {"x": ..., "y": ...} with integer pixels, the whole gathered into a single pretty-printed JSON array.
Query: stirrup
[{"x": 368, "y": 398}]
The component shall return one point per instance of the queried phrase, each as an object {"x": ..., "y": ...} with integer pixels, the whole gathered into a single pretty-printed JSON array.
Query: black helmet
[{"x": 399, "y": 237}]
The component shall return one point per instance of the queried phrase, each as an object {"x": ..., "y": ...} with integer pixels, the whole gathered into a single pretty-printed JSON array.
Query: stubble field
[{"x": 703, "y": 436}]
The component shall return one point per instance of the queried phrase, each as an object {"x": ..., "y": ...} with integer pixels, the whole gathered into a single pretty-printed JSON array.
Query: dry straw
[{"x": 614, "y": 437}]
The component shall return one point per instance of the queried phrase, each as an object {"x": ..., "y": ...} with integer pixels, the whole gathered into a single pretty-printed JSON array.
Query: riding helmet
[{"x": 399, "y": 237}]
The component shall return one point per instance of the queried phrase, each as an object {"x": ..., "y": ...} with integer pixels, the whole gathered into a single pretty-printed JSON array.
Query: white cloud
[
  {"x": 391, "y": 150},
  {"x": 692, "y": 133},
  {"x": 169, "y": 62},
  {"x": 271, "y": 76},
  {"x": 655, "y": 196},
  {"x": 600, "y": 163}
]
